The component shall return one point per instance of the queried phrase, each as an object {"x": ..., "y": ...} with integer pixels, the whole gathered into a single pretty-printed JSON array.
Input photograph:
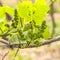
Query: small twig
[
  {"x": 51, "y": 40},
  {"x": 1, "y": 4},
  {"x": 4, "y": 41},
  {"x": 52, "y": 17},
  {"x": 16, "y": 54},
  {"x": 5, "y": 55}
]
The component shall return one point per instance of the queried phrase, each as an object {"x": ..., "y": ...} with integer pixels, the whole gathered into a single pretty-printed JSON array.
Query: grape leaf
[
  {"x": 2, "y": 12},
  {"x": 9, "y": 10},
  {"x": 30, "y": 11},
  {"x": 46, "y": 34},
  {"x": 24, "y": 10},
  {"x": 2, "y": 25},
  {"x": 41, "y": 11}
]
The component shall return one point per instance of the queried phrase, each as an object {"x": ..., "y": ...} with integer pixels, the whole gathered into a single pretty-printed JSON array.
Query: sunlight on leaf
[
  {"x": 46, "y": 34},
  {"x": 2, "y": 12},
  {"x": 24, "y": 10},
  {"x": 2, "y": 25},
  {"x": 30, "y": 11},
  {"x": 9, "y": 10}
]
